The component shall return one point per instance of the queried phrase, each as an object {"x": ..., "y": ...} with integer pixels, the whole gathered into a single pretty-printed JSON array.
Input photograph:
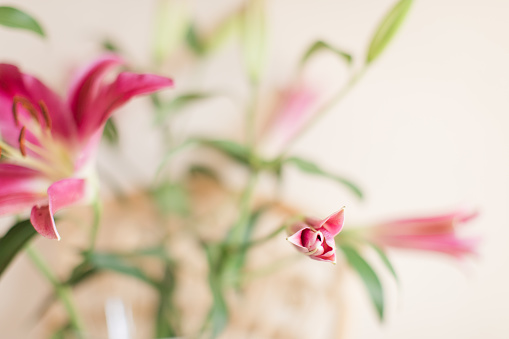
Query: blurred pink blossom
[
  {"x": 293, "y": 109},
  {"x": 47, "y": 143},
  {"x": 436, "y": 233},
  {"x": 315, "y": 238}
]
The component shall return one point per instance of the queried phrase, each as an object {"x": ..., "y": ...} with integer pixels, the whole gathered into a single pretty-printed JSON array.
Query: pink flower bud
[{"x": 315, "y": 238}]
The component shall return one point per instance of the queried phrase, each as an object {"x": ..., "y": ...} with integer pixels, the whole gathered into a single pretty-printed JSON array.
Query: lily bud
[{"x": 315, "y": 238}]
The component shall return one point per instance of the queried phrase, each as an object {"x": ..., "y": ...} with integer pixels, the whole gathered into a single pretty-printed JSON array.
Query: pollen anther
[
  {"x": 22, "y": 147},
  {"x": 45, "y": 113}
]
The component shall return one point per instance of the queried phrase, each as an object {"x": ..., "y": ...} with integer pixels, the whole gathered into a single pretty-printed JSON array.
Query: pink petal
[
  {"x": 60, "y": 194},
  {"x": 112, "y": 96},
  {"x": 42, "y": 220},
  {"x": 17, "y": 202},
  {"x": 334, "y": 223},
  {"x": 64, "y": 193},
  {"x": 86, "y": 85},
  {"x": 296, "y": 239},
  {"x": 11, "y": 84},
  {"x": 61, "y": 118},
  {"x": 17, "y": 188}
]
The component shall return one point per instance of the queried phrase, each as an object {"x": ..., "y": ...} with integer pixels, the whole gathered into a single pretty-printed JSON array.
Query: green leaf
[
  {"x": 230, "y": 148},
  {"x": 227, "y": 29},
  {"x": 12, "y": 17},
  {"x": 194, "y": 41},
  {"x": 171, "y": 199},
  {"x": 171, "y": 22},
  {"x": 311, "y": 168},
  {"x": 254, "y": 38},
  {"x": 167, "y": 316},
  {"x": 202, "y": 170},
  {"x": 386, "y": 261},
  {"x": 110, "y": 132},
  {"x": 319, "y": 46},
  {"x": 110, "y": 46},
  {"x": 218, "y": 315},
  {"x": 178, "y": 103},
  {"x": 171, "y": 153},
  {"x": 14, "y": 241},
  {"x": 387, "y": 29},
  {"x": 368, "y": 276},
  {"x": 115, "y": 263}
]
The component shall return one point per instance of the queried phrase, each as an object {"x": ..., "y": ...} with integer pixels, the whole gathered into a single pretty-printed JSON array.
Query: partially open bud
[{"x": 315, "y": 238}]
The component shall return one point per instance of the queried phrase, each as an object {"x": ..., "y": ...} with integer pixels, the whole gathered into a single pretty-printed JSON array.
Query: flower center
[{"x": 37, "y": 149}]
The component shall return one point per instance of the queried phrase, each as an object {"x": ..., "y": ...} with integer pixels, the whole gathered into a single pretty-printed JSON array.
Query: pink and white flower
[
  {"x": 315, "y": 238},
  {"x": 294, "y": 108},
  {"x": 47, "y": 144},
  {"x": 435, "y": 233}
]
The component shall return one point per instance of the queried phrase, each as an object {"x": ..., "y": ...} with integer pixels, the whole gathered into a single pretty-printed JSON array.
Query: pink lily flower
[
  {"x": 436, "y": 233},
  {"x": 294, "y": 108},
  {"x": 46, "y": 143},
  {"x": 315, "y": 238}
]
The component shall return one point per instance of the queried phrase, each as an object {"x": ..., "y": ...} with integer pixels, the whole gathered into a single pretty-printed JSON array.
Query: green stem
[
  {"x": 63, "y": 292},
  {"x": 244, "y": 209},
  {"x": 251, "y": 115},
  {"x": 95, "y": 225},
  {"x": 267, "y": 237},
  {"x": 328, "y": 105},
  {"x": 271, "y": 268}
]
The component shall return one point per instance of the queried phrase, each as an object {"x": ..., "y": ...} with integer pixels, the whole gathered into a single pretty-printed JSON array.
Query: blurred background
[{"x": 423, "y": 132}]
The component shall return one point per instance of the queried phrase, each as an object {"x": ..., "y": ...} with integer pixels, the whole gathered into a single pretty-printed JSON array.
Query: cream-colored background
[{"x": 424, "y": 131}]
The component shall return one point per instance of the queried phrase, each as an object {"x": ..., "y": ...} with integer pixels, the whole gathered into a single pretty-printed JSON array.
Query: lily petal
[
  {"x": 86, "y": 85},
  {"x": 62, "y": 123},
  {"x": 43, "y": 222},
  {"x": 61, "y": 194},
  {"x": 11, "y": 84},
  {"x": 126, "y": 86},
  {"x": 296, "y": 239},
  {"x": 16, "y": 188},
  {"x": 334, "y": 222}
]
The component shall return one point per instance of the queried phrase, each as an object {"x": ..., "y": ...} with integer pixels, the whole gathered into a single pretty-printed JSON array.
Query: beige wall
[{"x": 424, "y": 131}]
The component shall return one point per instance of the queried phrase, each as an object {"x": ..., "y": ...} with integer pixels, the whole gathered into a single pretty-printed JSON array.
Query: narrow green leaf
[
  {"x": 194, "y": 41},
  {"x": 115, "y": 263},
  {"x": 387, "y": 29},
  {"x": 178, "y": 103},
  {"x": 171, "y": 22},
  {"x": 311, "y": 168},
  {"x": 224, "y": 32},
  {"x": 110, "y": 46},
  {"x": 237, "y": 260},
  {"x": 386, "y": 261},
  {"x": 171, "y": 153},
  {"x": 14, "y": 241},
  {"x": 230, "y": 148},
  {"x": 167, "y": 316},
  {"x": 319, "y": 46},
  {"x": 254, "y": 38},
  {"x": 368, "y": 276},
  {"x": 110, "y": 132},
  {"x": 218, "y": 315},
  {"x": 13, "y": 17},
  {"x": 202, "y": 170}
]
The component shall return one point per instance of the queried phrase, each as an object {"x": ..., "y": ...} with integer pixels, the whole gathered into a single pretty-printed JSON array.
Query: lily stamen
[
  {"x": 21, "y": 140},
  {"x": 26, "y": 104},
  {"x": 45, "y": 114}
]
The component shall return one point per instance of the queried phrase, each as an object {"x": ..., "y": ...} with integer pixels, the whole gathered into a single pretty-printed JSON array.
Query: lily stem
[
  {"x": 267, "y": 237},
  {"x": 325, "y": 108},
  {"x": 63, "y": 292},
  {"x": 96, "y": 205}
]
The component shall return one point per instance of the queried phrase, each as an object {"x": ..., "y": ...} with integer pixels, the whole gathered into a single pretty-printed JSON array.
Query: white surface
[{"x": 424, "y": 131}]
